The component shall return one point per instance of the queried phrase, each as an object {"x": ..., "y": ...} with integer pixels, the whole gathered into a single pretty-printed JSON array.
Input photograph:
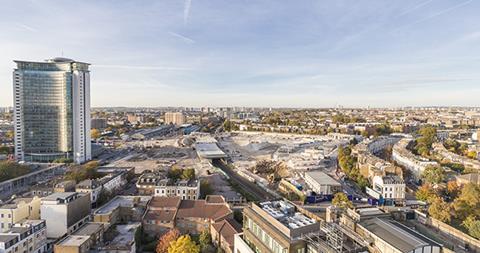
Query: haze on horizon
[{"x": 255, "y": 53}]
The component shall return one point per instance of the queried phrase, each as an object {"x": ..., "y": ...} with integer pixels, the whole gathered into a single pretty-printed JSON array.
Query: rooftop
[
  {"x": 74, "y": 240},
  {"x": 322, "y": 178},
  {"x": 121, "y": 201},
  {"x": 7, "y": 237},
  {"x": 209, "y": 150},
  {"x": 89, "y": 228},
  {"x": 286, "y": 213},
  {"x": 397, "y": 235},
  {"x": 391, "y": 179}
]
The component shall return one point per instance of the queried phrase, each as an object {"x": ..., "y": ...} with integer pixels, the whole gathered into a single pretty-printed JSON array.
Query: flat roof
[
  {"x": 397, "y": 235},
  {"x": 286, "y": 213},
  {"x": 74, "y": 240},
  {"x": 120, "y": 201},
  {"x": 209, "y": 150},
  {"x": 7, "y": 237},
  {"x": 322, "y": 178},
  {"x": 59, "y": 195},
  {"x": 89, "y": 228}
]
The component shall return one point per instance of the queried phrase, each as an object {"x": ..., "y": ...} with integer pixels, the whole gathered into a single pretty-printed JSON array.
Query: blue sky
[{"x": 253, "y": 52}]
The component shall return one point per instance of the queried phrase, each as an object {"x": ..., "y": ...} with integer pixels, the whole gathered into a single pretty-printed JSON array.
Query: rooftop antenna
[{"x": 62, "y": 52}]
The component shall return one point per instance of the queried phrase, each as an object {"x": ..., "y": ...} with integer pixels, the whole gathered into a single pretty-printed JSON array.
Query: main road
[{"x": 246, "y": 185}]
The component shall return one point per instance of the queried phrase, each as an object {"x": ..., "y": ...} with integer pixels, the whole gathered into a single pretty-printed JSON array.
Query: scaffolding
[{"x": 332, "y": 238}]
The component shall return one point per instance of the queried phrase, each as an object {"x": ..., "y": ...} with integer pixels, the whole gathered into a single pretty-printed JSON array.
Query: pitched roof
[
  {"x": 164, "y": 202},
  {"x": 202, "y": 209},
  {"x": 227, "y": 229},
  {"x": 161, "y": 215}
]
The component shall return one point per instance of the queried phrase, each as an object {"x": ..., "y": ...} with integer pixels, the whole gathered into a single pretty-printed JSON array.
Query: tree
[
  {"x": 205, "y": 188},
  {"x": 95, "y": 133},
  {"x": 433, "y": 174},
  {"x": 174, "y": 173},
  {"x": 205, "y": 240},
  {"x": 472, "y": 154},
  {"x": 9, "y": 134},
  {"x": 440, "y": 210},
  {"x": 425, "y": 193},
  {"x": 184, "y": 244},
  {"x": 468, "y": 202},
  {"x": 165, "y": 240},
  {"x": 453, "y": 189},
  {"x": 188, "y": 174},
  {"x": 341, "y": 200},
  {"x": 425, "y": 141},
  {"x": 82, "y": 172},
  {"x": 9, "y": 170},
  {"x": 472, "y": 225}
]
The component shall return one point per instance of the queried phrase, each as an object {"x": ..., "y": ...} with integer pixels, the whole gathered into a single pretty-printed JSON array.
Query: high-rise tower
[{"x": 52, "y": 110}]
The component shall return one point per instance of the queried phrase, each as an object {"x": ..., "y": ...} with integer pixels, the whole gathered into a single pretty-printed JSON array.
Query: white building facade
[
  {"x": 52, "y": 110},
  {"x": 389, "y": 187}
]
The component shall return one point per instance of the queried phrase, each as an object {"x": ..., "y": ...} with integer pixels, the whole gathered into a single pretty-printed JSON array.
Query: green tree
[
  {"x": 9, "y": 170},
  {"x": 205, "y": 188},
  {"x": 433, "y": 174},
  {"x": 184, "y": 244},
  {"x": 472, "y": 224},
  {"x": 425, "y": 141},
  {"x": 205, "y": 240},
  {"x": 174, "y": 173},
  {"x": 341, "y": 200},
  {"x": 188, "y": 174},
  {"x": 440, "y": 210}
]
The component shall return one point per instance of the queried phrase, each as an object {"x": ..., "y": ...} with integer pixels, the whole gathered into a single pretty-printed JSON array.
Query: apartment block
[
  {"x": 18, "y": 210},
  {"x": 65, "y": 212}
]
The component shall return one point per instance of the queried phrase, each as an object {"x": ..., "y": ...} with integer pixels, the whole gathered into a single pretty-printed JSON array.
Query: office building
[
  {"x": 176, "y": 118},
  {"x": 65, "y": 212},
  {"x": 52, "y": 110},
  {"x": 276, "y": 226}
]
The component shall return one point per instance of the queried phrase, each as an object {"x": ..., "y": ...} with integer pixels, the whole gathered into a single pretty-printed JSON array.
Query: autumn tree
[
  {"x": 184, "y": 244},
  {"x": 341, "y": 200},
  {"x": 433, "y": 174},
  {"x": 453, "y": 189},
  {"x": 95, "y": 133},
  {"x": 165, "y": 240},
  {"x": 425, "y": 193},
  {"x": 468, "y": 202},
  {"x": 440, "y": 210}
]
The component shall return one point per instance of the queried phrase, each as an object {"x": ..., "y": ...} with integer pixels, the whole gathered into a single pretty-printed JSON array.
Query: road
[{"x": 246, "y": 185}]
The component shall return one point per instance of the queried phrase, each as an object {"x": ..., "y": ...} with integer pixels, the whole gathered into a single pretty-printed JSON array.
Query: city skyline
[{"x": 249, "y": 53}]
